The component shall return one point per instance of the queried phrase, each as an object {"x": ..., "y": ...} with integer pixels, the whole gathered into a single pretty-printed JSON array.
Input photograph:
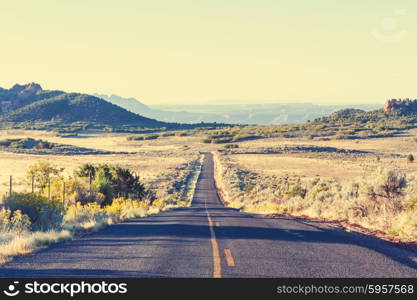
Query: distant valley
[{"x": 260, "y": 114}]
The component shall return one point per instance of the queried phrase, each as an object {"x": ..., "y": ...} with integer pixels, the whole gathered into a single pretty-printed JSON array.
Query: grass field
[
  {"x": 151, "y": 159},
  {"x": 330, "y": 179},
  {"x": 354, "y": 181}
]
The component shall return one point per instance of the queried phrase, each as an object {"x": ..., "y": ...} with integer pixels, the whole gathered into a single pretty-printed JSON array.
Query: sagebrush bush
[
  {"x": 44, "y": 213},
  {"x": 385, "y": 200},
  {"x": 13, "y": 221}
]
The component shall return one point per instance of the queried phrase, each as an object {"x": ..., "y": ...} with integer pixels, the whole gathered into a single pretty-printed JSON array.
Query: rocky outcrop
[{"x": 26, "y": 90}]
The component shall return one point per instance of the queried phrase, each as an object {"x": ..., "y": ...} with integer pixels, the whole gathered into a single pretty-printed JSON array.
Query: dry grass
[
  {"x": 151, "y": 159},
  {"x": 30, "y": 241},
  {"x": 335, "y": 186},
  {"x": 298, "y": 165},
  {"x": 166, "y": 166}
]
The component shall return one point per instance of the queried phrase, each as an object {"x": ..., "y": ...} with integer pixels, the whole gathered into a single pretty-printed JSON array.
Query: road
[{"x": 209, "y": 240}]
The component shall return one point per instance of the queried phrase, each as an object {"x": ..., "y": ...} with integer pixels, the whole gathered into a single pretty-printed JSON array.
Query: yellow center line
[
  {"x": 229, "y": 258},
  {"x": 217, "y": 265}
]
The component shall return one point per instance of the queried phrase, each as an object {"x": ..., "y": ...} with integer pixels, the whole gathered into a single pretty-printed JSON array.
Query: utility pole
[
  {"x": 90, "y": 175},
  {"x": 49, "y": 188}
]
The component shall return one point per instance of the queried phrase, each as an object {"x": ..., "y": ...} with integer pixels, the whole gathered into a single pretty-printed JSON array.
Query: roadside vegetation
[
  {"x": 383, "y": 201},
  {"x": 97, "y": 195}
]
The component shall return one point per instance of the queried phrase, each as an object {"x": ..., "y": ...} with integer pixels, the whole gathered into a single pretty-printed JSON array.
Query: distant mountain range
[
  {"x": 261, "y": 114},
  {"x": 29, "y": 106}
]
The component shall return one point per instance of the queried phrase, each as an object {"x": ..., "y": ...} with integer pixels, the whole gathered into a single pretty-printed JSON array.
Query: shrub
[
  {"x": 111, "y": 180},
  {"x": 231, "y": 146},
  {"x": 151, "y": 137},
  {"x": 85, "y": 216},
  {"x": 84, "y": 196},
  {"x": 102, "y": 184},
  {"x": 135, "y": 138},
  {"x": 143, "y": 137},
  {"x": 122, "y": 209},
  {"x": 392, "y": 185},
  {"x": 167, "y": 134},
  {"x": 410, "y": 158},
  {"x": 44, "y": 213},
  {"x": 44, "y": 145}
]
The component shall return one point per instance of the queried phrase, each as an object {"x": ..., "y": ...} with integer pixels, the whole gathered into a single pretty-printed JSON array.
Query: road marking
[
  {"x": 293, "y": 233},
  {"x": 217, "y": 265},
  {"x": 229, "y": 258}
]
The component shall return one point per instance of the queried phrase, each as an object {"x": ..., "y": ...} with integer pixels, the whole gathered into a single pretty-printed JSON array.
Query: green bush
[
  {"x": 182, "y": 133},
  {"x": 135, "y": 138},
  {"x": 143, "y": 137},
  {"x": 151, "y": 137},
  {"x": 167, "y": 134},
  {"x": 112, "y": 181},
  {"x": 15, "y": 221},
  {"x": 231, "y": 146},
  {"x": 44, "y": 213}
]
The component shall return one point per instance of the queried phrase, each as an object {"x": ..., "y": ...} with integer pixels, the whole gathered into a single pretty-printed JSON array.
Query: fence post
[
  {"x": 33, "y": 184},
  {"x": 63, "y": 193},
  {"x": 90, "y": 179},
  {"x": 11, "y": 185},
  {"x": 49, "y": 188}
]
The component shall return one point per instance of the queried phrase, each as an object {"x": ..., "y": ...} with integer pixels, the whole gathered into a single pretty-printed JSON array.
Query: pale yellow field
[
  {"x": 400, "y": 145},
  {"x": 153, "y": 158},
  {"x": 277, "y": 164},
  {"x": 150, "y": 159},
  {"x": 331, "y": 165}
]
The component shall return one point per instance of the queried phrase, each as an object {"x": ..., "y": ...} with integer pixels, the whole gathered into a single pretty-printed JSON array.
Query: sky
[{"x": 214, "y": 51}]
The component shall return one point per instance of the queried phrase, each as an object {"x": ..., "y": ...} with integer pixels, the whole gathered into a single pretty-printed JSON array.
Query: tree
[
  {"x": 112, "y": 180},
  {"x": 42, "y": 173}
]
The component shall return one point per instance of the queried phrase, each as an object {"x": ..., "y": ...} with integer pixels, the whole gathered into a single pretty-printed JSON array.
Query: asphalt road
[{"x": 209, "y": 240}]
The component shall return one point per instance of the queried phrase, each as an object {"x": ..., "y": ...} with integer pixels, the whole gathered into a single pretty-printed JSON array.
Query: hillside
[
  {"x": 130, "y": 104},
  {"x": 28, "y": 106},
  {"x": 394, "y": 119}
]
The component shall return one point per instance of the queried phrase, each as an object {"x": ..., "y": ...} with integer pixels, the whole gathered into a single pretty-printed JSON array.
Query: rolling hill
[{"x": 28, "y": 106}]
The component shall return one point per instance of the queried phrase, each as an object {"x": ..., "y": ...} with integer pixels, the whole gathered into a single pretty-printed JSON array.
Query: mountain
[
  {"x": 135, "y": 106},
  {"x": 130, "y": 104},
  {"x": 21, "y": 95},
  {"x": 261, "y": 114},
  {"x": 29, "y": 106}
]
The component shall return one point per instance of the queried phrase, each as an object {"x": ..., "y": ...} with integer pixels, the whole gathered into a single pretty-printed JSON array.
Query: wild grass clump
[
  {"x": 44, "y": 213},
  {"x": 92, "y": 216},
  {"x": 13, "y": 221},
  {"x": 27, "y": 242}
]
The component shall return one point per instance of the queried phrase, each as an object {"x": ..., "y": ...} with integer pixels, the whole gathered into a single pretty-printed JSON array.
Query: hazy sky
[{"x": 214, "y": 51}]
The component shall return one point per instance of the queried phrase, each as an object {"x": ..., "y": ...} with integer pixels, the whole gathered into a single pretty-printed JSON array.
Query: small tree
[
  {"x": 42, "y": 172},
  {"x": 410, "y": 158}
]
